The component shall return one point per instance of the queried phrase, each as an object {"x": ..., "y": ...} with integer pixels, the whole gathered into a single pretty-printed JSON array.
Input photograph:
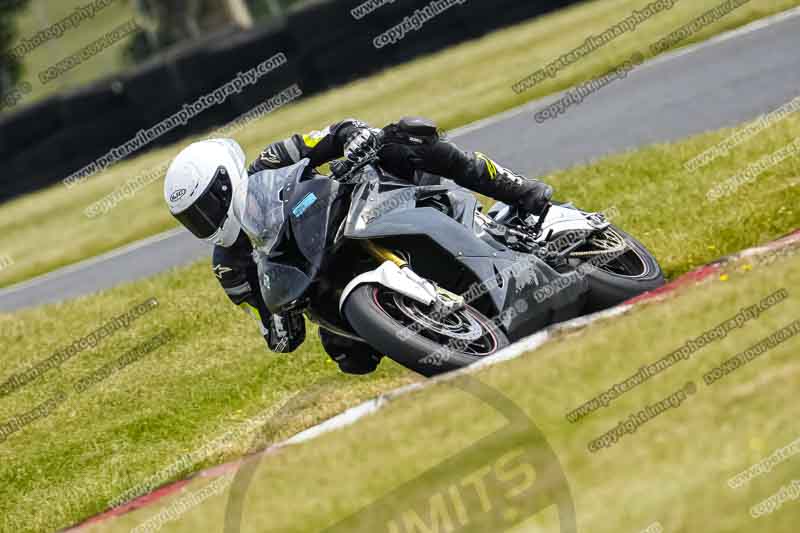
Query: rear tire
[
  {"x": 379, "y": 315},
  {"x": 631, "y": 274}
]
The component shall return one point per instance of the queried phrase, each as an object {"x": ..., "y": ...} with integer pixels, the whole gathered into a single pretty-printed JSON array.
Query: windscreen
[{"x": 260, "y": 205}]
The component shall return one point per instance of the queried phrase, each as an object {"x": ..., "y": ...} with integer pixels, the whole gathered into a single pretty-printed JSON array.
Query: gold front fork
[{"x": 383, "y": 254}]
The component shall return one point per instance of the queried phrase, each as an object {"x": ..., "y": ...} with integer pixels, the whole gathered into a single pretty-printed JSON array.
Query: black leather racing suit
[{"x": 411, "y": 147}]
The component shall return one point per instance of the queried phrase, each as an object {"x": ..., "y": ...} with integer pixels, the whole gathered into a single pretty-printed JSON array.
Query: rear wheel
[
  {"x": 418, "y": 338},
  {"x": 621, "y": 268}
]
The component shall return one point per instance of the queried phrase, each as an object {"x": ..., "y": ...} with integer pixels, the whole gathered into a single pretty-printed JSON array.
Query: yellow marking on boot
[{"x": 489, "y": 165}]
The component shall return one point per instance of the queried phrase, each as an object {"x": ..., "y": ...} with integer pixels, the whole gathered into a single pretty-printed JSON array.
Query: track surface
[{"x": 722, "y": 82}]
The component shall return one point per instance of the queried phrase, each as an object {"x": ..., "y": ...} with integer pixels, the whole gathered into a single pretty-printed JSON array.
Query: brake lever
[
  {"x": 343, "y": 169},
  {"x": 537, "y": 228},
  {"x": 340, "y": 168},
  {"x": 350, "y": 167}
]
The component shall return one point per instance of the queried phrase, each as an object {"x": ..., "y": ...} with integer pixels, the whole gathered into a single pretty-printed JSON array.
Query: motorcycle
[{"x": 419, "y": 272}]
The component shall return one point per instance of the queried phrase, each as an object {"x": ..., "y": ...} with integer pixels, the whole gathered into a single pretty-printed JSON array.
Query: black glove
[
  {"x": 361, "y": 142},
  {"x": 535, "y": 196}
]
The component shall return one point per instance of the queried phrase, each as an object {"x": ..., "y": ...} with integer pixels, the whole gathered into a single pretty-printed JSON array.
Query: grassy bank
[{"x": 417, "y": 465}]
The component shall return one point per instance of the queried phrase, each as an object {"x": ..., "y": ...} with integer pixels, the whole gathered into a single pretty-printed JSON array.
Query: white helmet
[{"x": 199, "y": 186}]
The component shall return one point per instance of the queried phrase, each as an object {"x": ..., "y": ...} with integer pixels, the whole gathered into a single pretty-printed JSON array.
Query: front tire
[{"x": 413, "y": 336}]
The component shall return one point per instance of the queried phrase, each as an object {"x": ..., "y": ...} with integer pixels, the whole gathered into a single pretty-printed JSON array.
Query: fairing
[
  {"x": 378, "y": 213},
  {"x": 286, "y": 215}
]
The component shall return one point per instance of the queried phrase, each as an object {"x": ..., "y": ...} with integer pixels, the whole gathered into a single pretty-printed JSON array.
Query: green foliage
[
  {"x": 170, "y": 23},
  {"x": 10, "y": 67}
]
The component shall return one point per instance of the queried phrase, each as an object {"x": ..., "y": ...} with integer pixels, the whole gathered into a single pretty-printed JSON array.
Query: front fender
[{"x": 391, "y": 276}]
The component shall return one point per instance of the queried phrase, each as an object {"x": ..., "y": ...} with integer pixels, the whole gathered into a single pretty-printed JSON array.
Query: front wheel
[{"x": 417, "y": 337}]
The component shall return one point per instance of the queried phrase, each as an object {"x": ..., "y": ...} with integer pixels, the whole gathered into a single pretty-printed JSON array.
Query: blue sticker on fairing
[{"x": 309, "y": 200}]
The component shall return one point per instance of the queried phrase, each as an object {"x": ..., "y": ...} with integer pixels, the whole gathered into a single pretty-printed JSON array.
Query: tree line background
[{"x": 165, "y": 23}]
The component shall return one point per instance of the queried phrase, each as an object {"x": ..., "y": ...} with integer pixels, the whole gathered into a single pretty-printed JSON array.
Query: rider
[{"x": 201, "y": 181}]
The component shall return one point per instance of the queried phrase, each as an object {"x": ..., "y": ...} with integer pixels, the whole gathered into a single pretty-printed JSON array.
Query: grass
[
  {"x": 673, "y": 470},
  {"x": 40, "y": 14},
  {"x": 665, "y": 205},
  {"x": 216, "y": 372},
  {"x": 48, "y": 229}
]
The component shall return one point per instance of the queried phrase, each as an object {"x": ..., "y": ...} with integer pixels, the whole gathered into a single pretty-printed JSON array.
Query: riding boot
[
  {"x": 477, "y": 172},
  {"x": 415, "y": 144}
]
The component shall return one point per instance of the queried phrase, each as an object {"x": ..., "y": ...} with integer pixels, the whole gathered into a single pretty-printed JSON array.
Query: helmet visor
[{"x": 208, "y": 213}]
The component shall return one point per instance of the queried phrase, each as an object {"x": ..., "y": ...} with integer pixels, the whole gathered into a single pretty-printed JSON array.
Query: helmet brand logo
[{"x": 177, "y": 195}]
